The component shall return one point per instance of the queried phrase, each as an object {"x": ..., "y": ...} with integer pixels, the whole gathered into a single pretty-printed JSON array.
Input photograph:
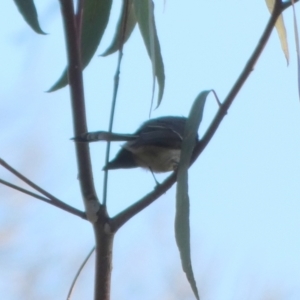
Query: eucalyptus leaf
[
  {"x": 130, "y": 24},
  {"x": 29, "y": 13},
  {"x": 144, "y": 11},
  {"x": 95, "y": 18},
  {"x": 182, "y": 221}
]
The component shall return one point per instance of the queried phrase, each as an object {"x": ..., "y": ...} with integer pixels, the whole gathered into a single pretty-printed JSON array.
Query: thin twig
[
  {"x": 26, "y": 180},
  {"x": 78, "y": 273},
  {"x": 56, "y": 203},
  {"x": 128, "y": 213},
  {"x": 50, "y": 198},
  {"x": 15, "y": 187},
  {"x": 115, "y": 93}
]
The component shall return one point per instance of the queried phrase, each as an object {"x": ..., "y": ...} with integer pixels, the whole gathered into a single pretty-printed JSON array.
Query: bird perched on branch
[{"x": 156, "y": 145}]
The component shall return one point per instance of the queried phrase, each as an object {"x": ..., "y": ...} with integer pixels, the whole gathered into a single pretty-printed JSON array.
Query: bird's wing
[{"x": 158, "y": 136}]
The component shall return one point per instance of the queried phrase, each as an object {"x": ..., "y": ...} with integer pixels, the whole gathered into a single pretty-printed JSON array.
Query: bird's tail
[
  {"x": 104, "y": 136},
  {"x": 123, "y": 160}
]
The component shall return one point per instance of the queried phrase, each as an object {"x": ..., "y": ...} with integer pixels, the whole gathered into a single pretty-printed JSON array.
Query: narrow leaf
[
  {"x": 130, "y": 24},
  {"x": 297, "y": 45},
  {"x": 182, "y": 222},
  {"x": 281, "y": 31},
  {"x": 95, "y": 19},
  {"x": 144, "y": 11},
  {"x": 28, "y": 11}
]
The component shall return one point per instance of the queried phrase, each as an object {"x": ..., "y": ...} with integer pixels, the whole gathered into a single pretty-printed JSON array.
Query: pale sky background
[{"x": 244, "y": 189}]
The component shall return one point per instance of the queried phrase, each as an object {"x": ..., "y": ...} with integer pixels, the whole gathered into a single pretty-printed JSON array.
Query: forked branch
[{"x": 131, "y": 211}]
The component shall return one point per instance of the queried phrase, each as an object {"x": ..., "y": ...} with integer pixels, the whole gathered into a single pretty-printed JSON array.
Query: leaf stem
[{"x": 125, "y": 11}]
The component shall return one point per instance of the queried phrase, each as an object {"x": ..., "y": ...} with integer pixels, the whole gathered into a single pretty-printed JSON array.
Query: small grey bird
[{"x": 156, "y": 145}]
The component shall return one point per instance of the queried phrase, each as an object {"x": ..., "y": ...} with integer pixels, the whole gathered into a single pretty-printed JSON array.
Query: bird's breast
[{"x": 158, "y": 159}]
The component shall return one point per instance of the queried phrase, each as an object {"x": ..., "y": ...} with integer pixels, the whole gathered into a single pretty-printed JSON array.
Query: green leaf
[
  {"x": 28, "y": 11},
  {"x": 130, "y": 24},
  {"x": 182, "y": 221},
  {"x": 144, "y": 11},
  {"x": 280, "y": 31},
  {"x": 95, "y": 19}
]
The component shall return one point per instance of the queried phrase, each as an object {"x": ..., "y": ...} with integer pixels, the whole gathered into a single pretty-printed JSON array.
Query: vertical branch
[
  {"x": 78, "y": 109},
  {"x": 104, "y": 242},
  {"x": 95, "y": 212}
]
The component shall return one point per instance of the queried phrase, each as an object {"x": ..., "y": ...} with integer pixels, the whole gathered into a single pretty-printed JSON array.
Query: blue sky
[{"x": 244, "y": 189}]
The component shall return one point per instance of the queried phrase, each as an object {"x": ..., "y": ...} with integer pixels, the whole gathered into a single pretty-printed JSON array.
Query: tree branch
[
  {"x": 26, "y": 180},
  {"x": 50, "y": 198},
  {"x": 240, "y": 81},
  {"x": 120, "y": 219},
  {"x": 78, "y": 273},
  {"x": 91, "y": 202},
  {"x": 96, "y": 213},
  {"x": 56, "y": 203}
]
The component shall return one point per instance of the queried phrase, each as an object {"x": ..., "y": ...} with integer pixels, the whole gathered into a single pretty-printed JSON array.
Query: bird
[{"x": 156, "y": 145}]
